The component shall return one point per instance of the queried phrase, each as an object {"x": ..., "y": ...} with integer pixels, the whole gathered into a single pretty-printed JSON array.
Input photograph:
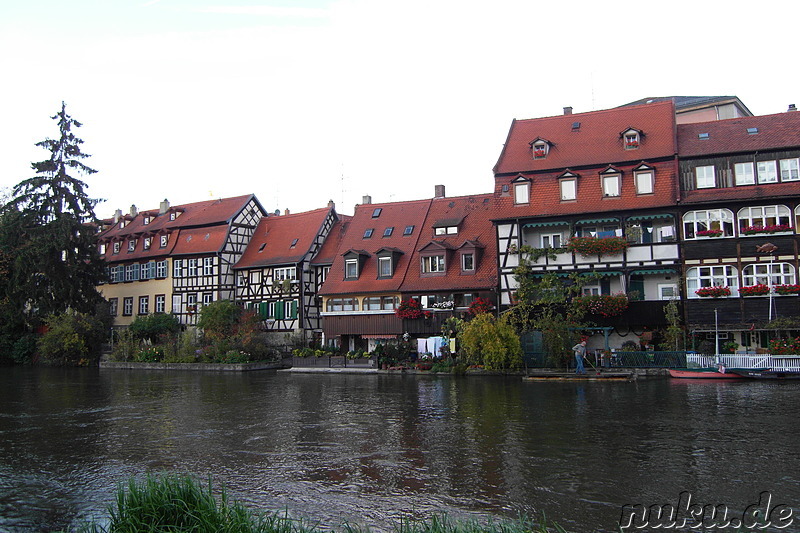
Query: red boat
[{"x": 703, "y": 373}]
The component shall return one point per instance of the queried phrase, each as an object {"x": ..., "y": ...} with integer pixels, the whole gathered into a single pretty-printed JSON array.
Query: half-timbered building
[
  {"x": 275, "y": 277},
  {"x": 176, "y": 258},
  {"x": 608, "y": 174},
  {"x": 739, "y": 211}
]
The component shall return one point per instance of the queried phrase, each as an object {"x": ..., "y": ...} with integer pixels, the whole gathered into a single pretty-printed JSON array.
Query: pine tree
[{"x": 51, "y": 232}]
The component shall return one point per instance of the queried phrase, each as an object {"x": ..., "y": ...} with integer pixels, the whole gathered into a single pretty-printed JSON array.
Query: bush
[
  {"x": 71, "y": 338},
  {"x": 492, "y": 343},
  {"x": 153, "y": 327},
  {"x": 219, "y": 320}
]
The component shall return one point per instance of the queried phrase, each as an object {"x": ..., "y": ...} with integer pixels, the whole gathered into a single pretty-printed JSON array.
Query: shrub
[
  {"x": 149, "y": 354},
  {"x": 785, "y": 346},
  {"x": 219, "y": 319},
  {"x": 71, "y": 338},
  {"x": 480, "y": 305},
  {"x": 492, "y": 343},
  {"x": 409, "y": 309},
  {"x": 152, "y": 327}
]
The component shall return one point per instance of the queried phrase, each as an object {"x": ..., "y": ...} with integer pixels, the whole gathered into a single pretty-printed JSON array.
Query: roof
[
  {"x": 595, "y": 142},
  {"x": 328, "y": 251},
  {"x": 283, "y": 240},
  {"x": 397, "y": 215},
  {"x": 685, "y": 104},
  {"x": 777, "y": 131}
]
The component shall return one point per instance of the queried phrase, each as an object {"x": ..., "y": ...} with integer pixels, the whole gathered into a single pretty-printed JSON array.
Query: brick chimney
[
  {"x": 366, "y": 199},
  {"x": 134, "y": 211},
  {"x": 117, "y": 215},
  {"x": 438, "y": 191},
  {"x": 163, "y": 207},
  {"x": 568, "y": 110},
  {"x": 286, "y": 211},
  {"x": 331, "y": 205}
]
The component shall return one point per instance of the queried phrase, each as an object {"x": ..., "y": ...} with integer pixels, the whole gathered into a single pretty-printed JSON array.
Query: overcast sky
[{"x": 304, "y": 101}]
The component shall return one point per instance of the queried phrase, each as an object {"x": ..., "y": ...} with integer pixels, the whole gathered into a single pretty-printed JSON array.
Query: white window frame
[
  {"x": 632, "y": 140},
  {"x": 672, "y": 288},
  {"x": 767, "y": 172},
  {"x": 705, "y": 177},
  {"x": 551, "y": 240},
  {"x": 144, "y": 305},
  {"x": 744, "y": 173},
  {"x": 569, "y": 189},
  {"x": 763, "y": 215},
  {"x": 467, "y": 257},
  {"x": 164, "y": 240},
  {"x": 324, "y": 273},
  {"x": 768, "y": 274},
  {"x": 287, "y": 310},
  {"x": 611, "y": 185},
  {"x": 148, "y": 241},
  {"x": 384, "y": 267},
  {"x": 161, "y": 302},
  {"x": 433, "y": 264},
  {"x": 351, "y": 268},
  {"x": 705, "y": 219},
  {"x": 591, "y": 290},
  {"x": 282, "y": 273},
  {"x": 208, "y": 266},
  {"x": 161, "y": 269},
  {"x": 113, "y": 306},
  {"x": 208, "y": 297},
  {"x": 255, "y": 277},
  {"x": 790, "y": 169},
  {"x": 540, "y": 149},
  {"x": 192, "y": 268},
  {"x": 711, "y": 276},
  {"x": 644, "y": 182},
  {"x": 127, "y": 306},
  {"x": 522, "y": 192},
  {"x": 116, "y": 247},
  {"x": 131, "y": 245},
  {"x": 177, "y": 268}
]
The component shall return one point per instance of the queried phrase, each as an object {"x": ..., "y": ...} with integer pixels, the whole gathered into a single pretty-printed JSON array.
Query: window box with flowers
[
  {"x": 709, "y": 233},
  {"x": 587, "y": 246},
  {"x": 632, "y": 144},
  {"x": 754, "y": 290},
  {"x": 539, "y": 153},
  {"x": 787, "y": 289},
  {"x": 713, "y": 292},
  {"x": 602, "y": 304},
  {"x": 409, "y": 309},
  {"x": 443, "y": 305},
  {"x": 759, "y": 230}
]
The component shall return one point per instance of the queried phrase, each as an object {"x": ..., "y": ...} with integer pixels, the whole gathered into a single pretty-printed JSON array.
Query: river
[{"x": 372, "y": 449}]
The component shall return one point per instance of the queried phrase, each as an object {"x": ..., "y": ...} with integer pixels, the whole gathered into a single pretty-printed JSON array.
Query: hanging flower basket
[
  {"x": 754, "y": 290},
  {"x": 603, "y": 305},
  {"x": 774, "y": 228},
  {"x": 713, "y": 292},
  {"x": 787, "y": 289},
  {"x": 409, "y": 309},
  {"x": 709, "y": 233},
  {"x": 587, "y": 246}
]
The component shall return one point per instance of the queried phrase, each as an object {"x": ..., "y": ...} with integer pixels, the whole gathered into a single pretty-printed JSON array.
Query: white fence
[{"x": 777, "y": 362}]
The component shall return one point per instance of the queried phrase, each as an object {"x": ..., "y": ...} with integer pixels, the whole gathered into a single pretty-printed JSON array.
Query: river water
[{"x": 372, "y": 449}]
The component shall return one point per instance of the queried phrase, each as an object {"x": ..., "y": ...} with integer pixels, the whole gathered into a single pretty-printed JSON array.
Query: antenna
[{"x": 591, "y": 83}]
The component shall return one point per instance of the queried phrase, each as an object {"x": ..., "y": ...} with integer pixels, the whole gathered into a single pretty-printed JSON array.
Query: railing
[
  {"x": 778, "y": 362},
  {"x": 648, "y": 359}
]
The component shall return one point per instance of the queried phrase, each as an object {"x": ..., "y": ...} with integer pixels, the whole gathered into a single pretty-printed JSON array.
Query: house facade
[
  {"x": 176, "y": 258},
  {"x": 565, "y": 183},
  {"x": 275, "y": 277},
  {"x": 739, "y": 206}
]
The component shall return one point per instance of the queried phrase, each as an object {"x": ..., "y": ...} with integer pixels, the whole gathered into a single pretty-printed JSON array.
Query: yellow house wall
[{"x": 135, "y": 289}]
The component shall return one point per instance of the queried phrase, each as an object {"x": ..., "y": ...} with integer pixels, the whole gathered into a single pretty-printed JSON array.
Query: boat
[
  {"x": 571, "y": 376},
  {"x": 704, "y": 373},
  {"x": 768, "y": 373}
]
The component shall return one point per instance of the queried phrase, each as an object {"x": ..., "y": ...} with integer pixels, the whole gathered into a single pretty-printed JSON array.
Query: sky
[{"x": 300, "y": 102}]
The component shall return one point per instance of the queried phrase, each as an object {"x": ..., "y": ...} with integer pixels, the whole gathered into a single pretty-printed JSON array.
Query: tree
[
  {"x": 491, "y": 342},
  {"x": 49, "y": 232}
]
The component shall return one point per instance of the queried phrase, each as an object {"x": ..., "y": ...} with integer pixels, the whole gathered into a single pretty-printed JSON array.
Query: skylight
[
  {"x": 409, "y": 230},
  {"x": 576, "y": 126},
  {"x": 294, "y": 243},
  {"x": 702, "y": 135},
  {"x": 368, "y": 233},
  {"x": 752, "y": 131},
  {"x": 376, "y": 212},
  {"x": 388, "y": 231}
]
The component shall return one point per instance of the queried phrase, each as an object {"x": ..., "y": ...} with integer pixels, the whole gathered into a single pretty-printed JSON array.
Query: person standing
[{"x": 580, "y": 353}]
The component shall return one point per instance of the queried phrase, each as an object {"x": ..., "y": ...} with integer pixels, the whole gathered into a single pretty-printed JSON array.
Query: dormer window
[
  {"x": 522, "y": 190},
  {"x": 353, "y": 263},
  {"x": 116, "y": 247},
  {"x": 351, "y": 269},
  {"x": 147, "y": 242},
  {"x": 164, "y": 240},
  {"x": 387, "y": 261},
  {"x": 131, "y": 245},
  {"x": 102, "y": 249},
  {"x": 610, "y": 182},
  {"x": 631, "y": 138},
  {"x": 146, "y": 220},
  {"x": 540, "y": 148}
]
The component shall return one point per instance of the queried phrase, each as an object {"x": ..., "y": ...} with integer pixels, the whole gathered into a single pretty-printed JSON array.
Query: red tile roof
[
  {"x": 597, "y": 141},
  {"x": 328, "y": 253},
  {"x": 729, "y": 136},
  {"x": 277, "y": 233},
  {"x": 200, "y": 240},
  {"x": 397, "y": 215}
]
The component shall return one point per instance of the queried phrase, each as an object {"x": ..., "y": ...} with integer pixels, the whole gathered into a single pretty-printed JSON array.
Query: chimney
[
  {"x": 792, "y": 107},
  {"x": 438, "y": 191},
  {"x": 134, "y": 211},
  {"x": 286, "y": 211},
  {"x": 117, "y": 215},
  {"x": 568, "y": 110},
  {"x": 163, "y": 207},
  {"x": 331, "y": 205},
  {"x": 366, "y": 199}
]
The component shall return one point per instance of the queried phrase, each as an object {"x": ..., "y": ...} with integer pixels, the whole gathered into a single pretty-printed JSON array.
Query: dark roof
[
  {"x": 777, "y": 131},
  {"x": 687, "y": 103}
]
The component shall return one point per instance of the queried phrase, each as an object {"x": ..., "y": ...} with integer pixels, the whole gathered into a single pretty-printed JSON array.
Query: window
[
  {"x": 705, "y": 177},
  {"x": 467, "y": 262},
  {"x": 522, "y": 192},
  {"x": 324, "y": 273},
  {"x": 371, "y": 304},
  {"x": 280, "y": 274},
  {"x": 148, "y": 270},
  {"x": 191, "y": 303},
  {"x": 644, "y": 182},
  {"x": 127, "y": 306},
  {"x": 132, "y": 272},
  {"x": 116, "y": 247},
  {"x": 433, "y": 264},
  {"x": 147, "y": 242},
  {"x": 164, "y": 239},
  {"x": 294, "y": 243},
  {"x": 768, "y": 274},
  {"x": 376, "y": 212},
  {"x": 131, "y": 245},
  {"x": 160, "y": 303},
  {"x": 540, "y": 149},
  {"x": 667, "y": 291},
  {"x": 754, "y": 218},
  {"x": 192, "y": 270},
  {"x": 101, "y": 249},
  {"x": 208, "y": 297},
  {"x": 446, "y": 230},
  {"x": 112, "y": 306},
  {"x": 389, "y": 302},
  {"x": 388, "y": 231},
  {"x": 631, "y": 140},
  {"x": 384, "y": 267},
  {"x": 173, "y": 216},
  {"x": 464, "y": 300},
  {"x": 290, "y": 309},
  {"x": 789, "y": 170},
  {"x": 409, "y": 230},
  {"x": 767, "y": 172},
  {"x": 144, "y": 305},
  {"x": 552, "y": 240},
  {"x": 591, "y": 290},
  {"x": 351, "y": 269},
  {"x": 744, "y": 174},
  {"x": 708, "y": 223},
  {"x": 255, "y": 277},
  {"x": 119, "y": 274},
  {"x": 341, "y": 304},
  {"x": 710, "y": 276},
  {"x": 146, "y": 220},
  {"x": 177, "y": 268},
  {"x": 161, "y": 269},
  {"x": 568, "y": 189},
  {"x": 241, "y": 280},
  {"x": 611, "y": 185},
  {"x": 368, "y": 233},
  {"x": 208, "y": 266}
]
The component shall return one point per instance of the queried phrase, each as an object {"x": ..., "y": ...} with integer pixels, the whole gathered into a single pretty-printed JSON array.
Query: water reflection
[{"x": 372, "y": 449}]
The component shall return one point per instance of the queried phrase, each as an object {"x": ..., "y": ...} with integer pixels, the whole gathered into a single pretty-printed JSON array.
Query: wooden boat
[
  {"x": 571, "y": 376},
  {"x": 704, "y": 373},
  {"x": 769, "y": 373}
]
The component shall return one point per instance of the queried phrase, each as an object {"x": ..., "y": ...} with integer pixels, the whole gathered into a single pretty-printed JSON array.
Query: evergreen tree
[{"x": 49, "y": 232}]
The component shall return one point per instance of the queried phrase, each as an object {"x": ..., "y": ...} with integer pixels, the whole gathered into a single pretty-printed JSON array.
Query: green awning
[
  {"x": 654, "y": 271},
  {"x": 597, "y": 220},
  {"x": 650, "y": 217},
  {"x": 545, "y": 224}
]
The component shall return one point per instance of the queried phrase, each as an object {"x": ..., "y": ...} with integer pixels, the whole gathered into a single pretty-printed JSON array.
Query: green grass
[{"x": 173, "y": 503}]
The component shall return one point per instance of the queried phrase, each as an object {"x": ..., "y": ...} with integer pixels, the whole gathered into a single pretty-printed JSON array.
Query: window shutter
[
  {"x": 279, "y": 310},
  {"x": 294, "y": 309},
  {"x": 263, "y": 310}
]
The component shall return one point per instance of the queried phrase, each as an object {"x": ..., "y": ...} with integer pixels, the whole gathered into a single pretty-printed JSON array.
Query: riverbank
[{"x": 208, "y": 367}]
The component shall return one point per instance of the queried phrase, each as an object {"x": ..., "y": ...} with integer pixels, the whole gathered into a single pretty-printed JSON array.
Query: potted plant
[
  {"x": 709, "y": 233},
  {"x": 713, "y": 292},
  {"x": 754, "y": 290},
  {"x": 606, "y": 305},
  {"x": 587, "y": 246},
  {"x": 770, "y": 228},
  {"x": 787, "y": 289},
  {"x": 409, "y": 309}
]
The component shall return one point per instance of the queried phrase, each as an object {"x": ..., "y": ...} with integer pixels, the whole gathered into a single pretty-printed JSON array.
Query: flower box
[
  {"x": 713, "y": 292},
  {"x": 539, "y": 153},
  {"x": 787, "y": 289},
  {"x": 709, "y": 233},
  {"x": 587, "y": 246},
  {"x": 632, "y": 144},
  {"x": 409, "y": 309},
  {"x": 754, "y": 290},
  {"x": 480, "y": 305},
  {"x": 774, "y": 228},
  {"x": 603, "y": 305}
]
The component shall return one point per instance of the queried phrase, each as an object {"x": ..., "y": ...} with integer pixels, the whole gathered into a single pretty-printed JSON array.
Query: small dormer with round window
[
  {"x": 540, "y": 148},
  {"x": 631, "y": 138}
]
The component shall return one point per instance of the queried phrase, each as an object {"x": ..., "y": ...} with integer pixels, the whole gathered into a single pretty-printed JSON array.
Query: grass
[{"x": 174, "y": 503}]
